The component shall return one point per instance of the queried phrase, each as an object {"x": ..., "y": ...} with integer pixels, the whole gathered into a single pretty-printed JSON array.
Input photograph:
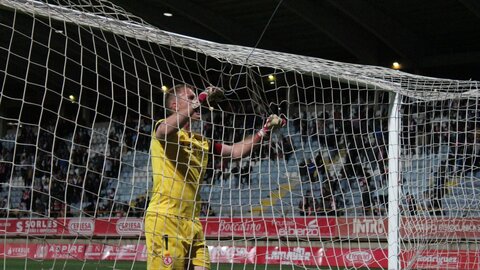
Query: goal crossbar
[{"x": 371, "y": 77}]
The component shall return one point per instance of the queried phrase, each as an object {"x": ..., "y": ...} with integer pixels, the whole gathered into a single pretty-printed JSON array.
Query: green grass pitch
[{"x": 22, "y": 264}]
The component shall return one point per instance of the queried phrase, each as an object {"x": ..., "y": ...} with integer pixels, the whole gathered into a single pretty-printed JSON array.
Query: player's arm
[
  {"x": 245, "y": 147},
  {"x": 185, "y": 106}
]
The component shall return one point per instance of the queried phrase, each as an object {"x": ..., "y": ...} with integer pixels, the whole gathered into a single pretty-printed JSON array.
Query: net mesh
[{"x": 82, "y": 85}]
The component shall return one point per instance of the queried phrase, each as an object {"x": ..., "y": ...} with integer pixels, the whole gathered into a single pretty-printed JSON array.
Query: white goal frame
[{"x": 399, "y": 85}]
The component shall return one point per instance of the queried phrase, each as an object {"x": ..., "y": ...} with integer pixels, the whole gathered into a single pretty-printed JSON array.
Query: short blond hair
[{"x": 171, "y": 94}]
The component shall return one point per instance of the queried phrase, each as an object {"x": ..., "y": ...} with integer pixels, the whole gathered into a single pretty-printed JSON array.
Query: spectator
[
  {"x": 89, "y": 209},
  {"x": 411, "y": 204},
  {"x": 5, "y": 166},
  {"x": 312, "y": 171},
  {"x": 439, "y": 189},
  {"x": 287, "y": 147},
  {"x": 140, "y": 205},
  {"x": 296, "y": 122},
  {"x": 56, "y": 209},
  {"x": 307, "y": 204},
  {"x": 235, "y": 173},
  {"x": 108, "y": 167},
  {"x": 343, "y": 182},
  {"x": 92, "y": 187},
  {"x": 303, "y": 171},
  {"x": 121, "y": 209},
  {"x": 366, "y": 196},
  {"x": 321, "y": 168},
  {"x": 113, "y": 141},
  {"x": 245, "y": 174},
  {"x": 426, "y": 202},
  {"x": 338, "y": 204},
  {"x": 206, "y": 210},
  {"x": 26, "y": 198},
  {"x": 4, "y": 207},
  {"x": 39, "y": 207},
  {"x": 145, "y": 129},
  {"x": 304, "y": 127},
  {"x": 328, "y": 196},
  {"x": 377, "y": 207}
]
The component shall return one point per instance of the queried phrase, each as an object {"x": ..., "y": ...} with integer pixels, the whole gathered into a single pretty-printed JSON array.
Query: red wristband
[
  {"x": 263, "y": 132},
  {"x": 202, "y": 97}
]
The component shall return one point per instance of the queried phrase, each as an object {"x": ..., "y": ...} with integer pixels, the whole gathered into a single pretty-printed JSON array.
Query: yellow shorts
[{"x": 174, "y": 243}]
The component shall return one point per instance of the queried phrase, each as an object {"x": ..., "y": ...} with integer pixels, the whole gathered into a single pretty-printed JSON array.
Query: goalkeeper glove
[
  {"x": 273, "y": 122},
  {"x": 210, "y": 95}
]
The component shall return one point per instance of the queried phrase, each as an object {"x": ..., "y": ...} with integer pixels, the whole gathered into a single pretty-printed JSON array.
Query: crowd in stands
[
  {"x": 355, "y": 147},
  {"x": 59, "y": 171},
  {"x": 426, "y": 129}
]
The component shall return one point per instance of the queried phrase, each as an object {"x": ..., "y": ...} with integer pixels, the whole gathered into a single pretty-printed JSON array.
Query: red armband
[{"x": 217, "y": 148}]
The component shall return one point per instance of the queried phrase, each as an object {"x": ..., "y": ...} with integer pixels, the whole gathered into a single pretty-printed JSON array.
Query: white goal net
[{"x": 374, "y": 168}]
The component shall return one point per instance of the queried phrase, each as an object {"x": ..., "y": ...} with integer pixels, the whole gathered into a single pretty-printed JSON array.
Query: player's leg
[
  {"x": 200, "y": 257},
  {"x": 164, "y": 243}
]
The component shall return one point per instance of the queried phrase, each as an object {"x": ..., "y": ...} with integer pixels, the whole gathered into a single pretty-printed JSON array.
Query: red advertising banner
[
  {"x": 434, "y": 228},
  {"x": 441, "y": 259},
  {"x": 314, "y": 256},
  {"x": 73, "y": 226},
  {"x": 291, "y": 255},
  {"x": 410, "y": 227},
  {"x": 362, "y": 227},
  {"x": 357, "y": 258},
  {"x": 303, "y": 256},
  {"x": 119, "y": 226},
  {"x": 227, "y": 254},
  {"x": 41, "y": 226},
  {"x": 306, "y": 228},
  {"x": 74, "y": 251}
]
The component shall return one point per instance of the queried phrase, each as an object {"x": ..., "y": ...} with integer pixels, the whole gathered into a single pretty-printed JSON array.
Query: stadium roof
[{"x": 439, "y": 38}]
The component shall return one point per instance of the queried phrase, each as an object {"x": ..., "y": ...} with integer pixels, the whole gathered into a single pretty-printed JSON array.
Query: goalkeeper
[{"x": 173, "y": 232}]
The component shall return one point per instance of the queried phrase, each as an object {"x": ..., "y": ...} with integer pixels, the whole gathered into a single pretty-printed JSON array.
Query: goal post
[
  {"x": 375, "y": 168},
  {"x": 394, "y": 180}
]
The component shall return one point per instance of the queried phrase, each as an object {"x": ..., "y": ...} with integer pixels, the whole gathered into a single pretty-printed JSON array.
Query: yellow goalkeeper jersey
[{"x": 179, "y": 162}]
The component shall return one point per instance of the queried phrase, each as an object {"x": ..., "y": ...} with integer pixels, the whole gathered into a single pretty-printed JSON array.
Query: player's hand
[
  {"x": 273, "y": 122},
  {"x": 211, "y": 95},
  {"x": 195, "y": 104}
]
